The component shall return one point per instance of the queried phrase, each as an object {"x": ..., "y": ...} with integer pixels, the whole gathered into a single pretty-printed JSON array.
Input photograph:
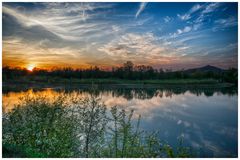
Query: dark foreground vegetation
[
  {"x": 126, "y": 74},
  {"x": 60, "y": 127}
]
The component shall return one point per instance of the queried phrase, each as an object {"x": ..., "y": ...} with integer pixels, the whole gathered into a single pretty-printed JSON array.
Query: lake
[{"x": 207, "y": 118}]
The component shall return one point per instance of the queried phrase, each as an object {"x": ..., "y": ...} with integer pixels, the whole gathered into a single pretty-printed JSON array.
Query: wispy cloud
[
  {"x": 188, "y": 15},
  {"x": 141, "y": 8},
  {"x": 24, "y": 20},
  {"x": 143, "y": 49},
  {"x": 184, "y": 17},
  {"x": 225, "y": 23},
  {"x": 195, "y": 8},
  {"x": 133, "y": 44},
  {"x": 167, "y": 19},
  {"x": 206, "y": 10},
  {"x": 197, "y": 14},
  {"x": 211, "y": 7},
  {"x": 68, "y": 21},
  {"x": 203, "y": 9},
  {"x": 181, "y": 31}
]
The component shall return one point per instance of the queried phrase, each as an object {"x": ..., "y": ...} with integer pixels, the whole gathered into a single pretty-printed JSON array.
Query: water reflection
[
  {"x": 140, "y": 92},
  {"x": 148, "y": 93},
  {"x": 117, "y": 96},
  {"x": 206, "y": 117}
]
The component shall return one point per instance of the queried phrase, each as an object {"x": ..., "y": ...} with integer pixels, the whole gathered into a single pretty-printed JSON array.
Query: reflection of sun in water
[{"x": 30, "y": 67}]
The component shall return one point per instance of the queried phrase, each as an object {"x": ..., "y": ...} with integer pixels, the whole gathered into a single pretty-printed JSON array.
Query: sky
[{"x": 175, "y": 35}]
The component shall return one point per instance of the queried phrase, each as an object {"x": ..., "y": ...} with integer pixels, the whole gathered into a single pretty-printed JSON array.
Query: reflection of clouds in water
[
  {"x": 207, "y": 144},
  {"x": 201, "y": 143},
  {"x": 228, "y": 131},
  {"x": 185, "y": 105},
  {"x": 119, "y": 101},
  {"x": 205, "y": 122},
  {"x": 143, "y": 107},
  {"x": 215, "y": 148},
  {"x": 192, "y": 113},
  {"x": 187, "y": 124},
  {"x": 146, "y": 107},
  {"x": 179, "y": 122}
]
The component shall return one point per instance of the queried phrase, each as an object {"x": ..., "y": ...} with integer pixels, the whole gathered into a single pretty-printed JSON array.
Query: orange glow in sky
[{"x": 30, "y": 67}]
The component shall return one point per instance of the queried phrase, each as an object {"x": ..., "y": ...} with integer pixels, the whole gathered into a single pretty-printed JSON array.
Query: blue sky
[{"x": 164, "y": 35}]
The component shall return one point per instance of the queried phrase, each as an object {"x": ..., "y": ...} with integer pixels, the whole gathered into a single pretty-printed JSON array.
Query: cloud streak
[
  {"x": 65, "y": 21},
  {"x": 167, "y": 19},
  {"x": 141, "y": 8}
]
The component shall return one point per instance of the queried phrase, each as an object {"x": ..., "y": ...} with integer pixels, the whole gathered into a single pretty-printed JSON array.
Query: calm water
[{"x": 206, "y": 118}]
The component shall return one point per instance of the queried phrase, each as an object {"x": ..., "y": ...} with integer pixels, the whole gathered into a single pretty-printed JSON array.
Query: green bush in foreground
[{"x": 59, "y": 127}]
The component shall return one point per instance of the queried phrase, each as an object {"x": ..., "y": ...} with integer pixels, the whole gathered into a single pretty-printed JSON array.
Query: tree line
[{"x": 127, "y": 71}]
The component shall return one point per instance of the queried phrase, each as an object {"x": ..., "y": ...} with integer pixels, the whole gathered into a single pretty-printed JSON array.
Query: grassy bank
[
  {"x": 40, "y": 127},
  {"x": 120, "y": 81},
  {"x": 54, "y": 80},
  {"x": 113, "y": 84}
]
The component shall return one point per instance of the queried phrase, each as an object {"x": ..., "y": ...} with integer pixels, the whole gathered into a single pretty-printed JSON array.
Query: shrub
[{"x": 76, "y": 127}]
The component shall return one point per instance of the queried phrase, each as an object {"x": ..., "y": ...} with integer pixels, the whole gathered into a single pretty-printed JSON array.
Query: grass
[
  {"x": 59, "y": 127},
  {"x": 119, "y": 81},
  {"x": 53, "y": 80}
]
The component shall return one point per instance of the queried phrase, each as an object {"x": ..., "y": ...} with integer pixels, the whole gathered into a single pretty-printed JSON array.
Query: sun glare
[{"x": 30, "y": 67}]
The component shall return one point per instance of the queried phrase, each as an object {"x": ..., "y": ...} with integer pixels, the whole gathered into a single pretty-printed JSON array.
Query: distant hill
[{"x": 207, "y": 68}]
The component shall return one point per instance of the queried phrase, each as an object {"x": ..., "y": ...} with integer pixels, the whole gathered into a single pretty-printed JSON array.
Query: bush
[
  {"x": 41, "y": 125},
  {"x": 60, "y": 127}
]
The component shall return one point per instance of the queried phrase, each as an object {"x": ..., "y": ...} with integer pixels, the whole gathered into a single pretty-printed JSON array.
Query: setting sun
[{"x": 30, "y": 67}]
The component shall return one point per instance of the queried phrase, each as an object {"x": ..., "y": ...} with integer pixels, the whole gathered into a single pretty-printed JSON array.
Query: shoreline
[{"x": 10, "y": 86}]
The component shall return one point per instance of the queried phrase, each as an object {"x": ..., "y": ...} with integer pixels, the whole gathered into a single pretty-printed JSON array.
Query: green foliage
[
  {"x": 42, "y": 125},
  {"x": 129, "y": 141},
  {"x": 89, "y": 117},
  {"x": 10, "y": 150},
  {"x": 231, "y": 76},
  {"x": 76, "y": 127}
]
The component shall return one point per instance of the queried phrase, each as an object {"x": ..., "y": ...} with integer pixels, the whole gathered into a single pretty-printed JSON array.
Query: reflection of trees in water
[
  {"x": 230, "y": 91},
  {"x": 134, "y": 93},
  {"x": 148, "y": 93}
]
